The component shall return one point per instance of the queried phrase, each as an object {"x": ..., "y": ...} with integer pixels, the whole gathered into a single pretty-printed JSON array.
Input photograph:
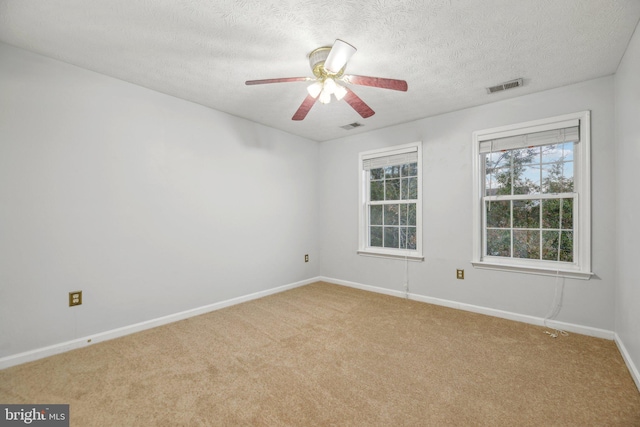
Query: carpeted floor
[{"x": 325, "y": 355}]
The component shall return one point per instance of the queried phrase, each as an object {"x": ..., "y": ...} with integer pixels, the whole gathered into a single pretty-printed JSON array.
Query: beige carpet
[{"x": 325, "y": 355}]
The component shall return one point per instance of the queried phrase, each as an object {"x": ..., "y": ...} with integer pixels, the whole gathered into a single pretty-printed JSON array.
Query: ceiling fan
[{"x": 328, "y": 65}]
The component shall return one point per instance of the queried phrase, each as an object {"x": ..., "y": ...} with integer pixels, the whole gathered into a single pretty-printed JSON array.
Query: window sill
[
  {"x": 410, "y": 257},
  {"x": 571, "y": 274}
]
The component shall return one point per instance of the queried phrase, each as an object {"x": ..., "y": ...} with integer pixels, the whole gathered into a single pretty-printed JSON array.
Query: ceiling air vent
[
  {"x": 504, "y": 86},
  {"x": 352, "y": 126}
]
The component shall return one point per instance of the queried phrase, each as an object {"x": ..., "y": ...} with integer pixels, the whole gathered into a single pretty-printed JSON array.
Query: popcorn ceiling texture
[{"x": 448, "y": 51}]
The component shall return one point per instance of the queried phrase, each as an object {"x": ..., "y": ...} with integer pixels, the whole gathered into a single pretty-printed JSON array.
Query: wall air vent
[
  {"x": 352, "y": 126},
  {"x": 504, "y": 86}
]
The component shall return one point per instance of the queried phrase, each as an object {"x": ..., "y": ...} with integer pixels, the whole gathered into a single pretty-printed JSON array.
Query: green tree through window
[{"x": 529, "y": 202}]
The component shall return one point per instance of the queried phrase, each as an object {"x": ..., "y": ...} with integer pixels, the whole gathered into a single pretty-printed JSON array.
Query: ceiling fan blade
[
  {"x": 338, "y": 56},
  {"x": 281, "y": 80},
  {"x": 358, "y": 104},
  {"x": 304, "y": 108},
  {"x": 383, "y": 83}
]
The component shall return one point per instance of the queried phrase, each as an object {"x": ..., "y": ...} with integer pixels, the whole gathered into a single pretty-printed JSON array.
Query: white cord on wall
[
  {"x": 559, "y": 293},
  {"x": 406, "y": 277}
]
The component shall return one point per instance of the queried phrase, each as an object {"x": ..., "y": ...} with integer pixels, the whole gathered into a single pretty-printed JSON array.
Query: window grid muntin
[
  {"x": 489, "y": 172},
  {"x": 540, "y": 229},
  {"x": 407, "y": 173},
  {"x": 492, "y": 161}
]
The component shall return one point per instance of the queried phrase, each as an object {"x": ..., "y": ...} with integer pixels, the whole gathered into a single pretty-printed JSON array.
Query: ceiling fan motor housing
[{"x": 316, "y": 61}]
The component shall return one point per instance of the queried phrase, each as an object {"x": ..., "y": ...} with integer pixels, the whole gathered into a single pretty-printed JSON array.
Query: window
[
  {"x": 532, "y": 197},
  {"x": 390, "y": 202}
]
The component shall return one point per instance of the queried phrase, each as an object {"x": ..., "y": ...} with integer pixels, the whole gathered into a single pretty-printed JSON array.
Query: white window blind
[
  {"x": 390, "y": 160},
  {"x": 556, "y": 136}
]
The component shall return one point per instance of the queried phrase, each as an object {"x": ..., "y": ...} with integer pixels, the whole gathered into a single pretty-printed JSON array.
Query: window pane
[
  {"x": 391, "y": 214},
  {"x": 392, "y": 187},
  {"x": 551, "y": 213},
  {"x": 526, "y": 213},
  {"x": 377, "y": 173},
  {"x": 409, "y": 188},
  {"x": 409, "y": 169},
  {"x": 566, "y": 246},
  {"x": 567, "y": 214},
  {"x": 498, "y": 214},
  {"x": 413, "y": 188},
  {"x": 408, "y": 238},
  {"x": 391, "y": 239},
  {"x": 408, "y": 214},
  {"x": 552, "y": 153},
  {"x": 526, "y": 244},
  {"x": 524, "y": 156},
  {"x": 567, "y": 151},
  {"x": 375, "y": 236},
  {"x": 412, "y": 239},
  {"x": 392, "y": 172},
  {"x": 375, "y": 214},
  {"x": 403, "y": 237},
  {"x": 550, "y": 246},
  {"x": 499, "y": 159},
  {"x": 490, "y": 185},
  {"x": 520, "y": 160},
  {"x": 501, "y": 181},
  {"x": 527, "y": 181},
  {"x": 567, "y": 177},
  {"x": 499, "y": 243},
  {"x": 557, "y": 177},
  {"x": 377, "y": 190}
]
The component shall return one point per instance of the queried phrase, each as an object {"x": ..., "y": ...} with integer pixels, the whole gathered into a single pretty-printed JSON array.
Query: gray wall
[
  {"x": 447, "y": 233},
  {"x": 627, "y": 92},
  {"x": 148, "y": 204}
]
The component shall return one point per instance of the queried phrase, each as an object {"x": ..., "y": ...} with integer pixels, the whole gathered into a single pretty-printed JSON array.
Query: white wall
[
  {"x": 447, "y": 184},
  {"x": 148, "y": 204},
  {"x": 152, "y": 205},
  {"x": 627, "y": 93}
]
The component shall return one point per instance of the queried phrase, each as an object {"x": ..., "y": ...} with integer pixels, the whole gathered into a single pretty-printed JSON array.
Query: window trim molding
[
  {"x": 363, "y": 249},
  {"x": 581, "y": 268}
]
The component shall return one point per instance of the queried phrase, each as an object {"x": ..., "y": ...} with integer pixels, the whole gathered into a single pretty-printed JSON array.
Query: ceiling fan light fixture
[
  {"x": 315, "y": 89},
  {"x": 325, "y": 97},
  {"x": 330, "y": 85},
  {"x": 339, "y": 54},
  {"x": 339, "y": 92},
  {"x": 328, "y": 65}
]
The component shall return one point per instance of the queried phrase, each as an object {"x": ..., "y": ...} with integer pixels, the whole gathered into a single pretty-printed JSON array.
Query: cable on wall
[
  {"x": 556, "y": 307},
  {"x": 406, "y": 277},
  {"x": 559, "y": 292}
]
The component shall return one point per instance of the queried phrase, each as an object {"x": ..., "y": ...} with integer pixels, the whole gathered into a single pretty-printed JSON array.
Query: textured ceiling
[{"x": 448, "y": 51}]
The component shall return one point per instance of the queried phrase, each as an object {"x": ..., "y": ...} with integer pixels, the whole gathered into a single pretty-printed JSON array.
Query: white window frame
[
  {"x": 580, "y": 268},
  {"x": 363, "y": 197}
]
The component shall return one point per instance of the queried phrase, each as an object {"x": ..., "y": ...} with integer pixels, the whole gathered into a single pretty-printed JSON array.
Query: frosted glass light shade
[
  {"x": 339, "y": 92},
  {"x": 329, "y": 86},
  {"x": 325, "y": 97},
  {"x": 315, "y": 89}
]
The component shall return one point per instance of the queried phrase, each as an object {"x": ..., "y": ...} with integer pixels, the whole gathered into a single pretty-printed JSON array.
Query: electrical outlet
[
  {"x": 75, "y": 298},
  {"x": 460, "y": 274},
  {"x": 306, "y": 258}
]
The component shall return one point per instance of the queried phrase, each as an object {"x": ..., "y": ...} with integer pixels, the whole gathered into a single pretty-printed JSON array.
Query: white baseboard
[
  {"x": 539, "y": 321},
  {"x": 51, "y": 350},
  {"x": 633, "y": 369}
]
